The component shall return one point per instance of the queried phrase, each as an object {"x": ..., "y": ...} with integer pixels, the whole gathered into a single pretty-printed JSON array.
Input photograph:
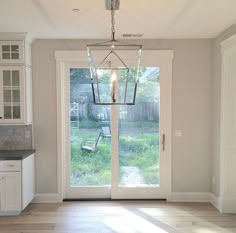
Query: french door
[{"x": 118, "y": 152}]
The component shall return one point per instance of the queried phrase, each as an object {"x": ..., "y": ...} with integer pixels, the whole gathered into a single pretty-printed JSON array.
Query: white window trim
[{"x": 164, "y": 60}]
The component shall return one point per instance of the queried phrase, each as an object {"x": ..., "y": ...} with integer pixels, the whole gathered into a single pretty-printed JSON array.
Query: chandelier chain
[{"x": 113, "y": 19}]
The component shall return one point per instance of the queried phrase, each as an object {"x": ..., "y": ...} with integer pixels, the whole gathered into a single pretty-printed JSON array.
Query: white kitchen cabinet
[
  {"x": 15, "y": 80},
  {"x": 11, "y": 52},
  {"x": 10, "y": 185},
  {"x": 15, "y": 95},
  {"x": 17, "y": 185},
  {"x": 28, "y": 180}
]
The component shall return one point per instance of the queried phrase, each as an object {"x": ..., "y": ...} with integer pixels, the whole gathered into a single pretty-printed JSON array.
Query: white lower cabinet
[
  {"x": 16, "y": 185},
  {"x": 10, "y": 183}
]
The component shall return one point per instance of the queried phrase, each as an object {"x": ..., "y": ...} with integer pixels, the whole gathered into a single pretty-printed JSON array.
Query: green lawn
[{"x": 139, "y": 150}]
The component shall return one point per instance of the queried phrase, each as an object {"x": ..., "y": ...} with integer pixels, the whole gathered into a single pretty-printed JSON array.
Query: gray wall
[
  {"x": 217, "y": 107},
  {"x": 192, "y": 108}
]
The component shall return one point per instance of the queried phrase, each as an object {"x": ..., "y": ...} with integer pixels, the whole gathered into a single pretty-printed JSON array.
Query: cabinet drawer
[{"x": 10, "y": 165}]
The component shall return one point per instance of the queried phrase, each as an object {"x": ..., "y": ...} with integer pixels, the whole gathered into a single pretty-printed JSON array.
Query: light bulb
[
  {"x": 113, "y": 77},
  {"x": 113, "y": 86},
  {"x": 99, "y": 73}
]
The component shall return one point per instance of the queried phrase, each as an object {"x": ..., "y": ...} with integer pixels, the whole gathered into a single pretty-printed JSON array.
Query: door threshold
[
  {"x": 87, "y": 199},
  {"x": 109, "y": 199}
]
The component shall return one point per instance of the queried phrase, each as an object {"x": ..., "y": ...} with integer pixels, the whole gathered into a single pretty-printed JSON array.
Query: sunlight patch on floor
[
  {"x": 154, "y": 212},
  {"x": 216, "y": 230},
  {"x": 131, "y": 223},
  {"x": 183, "y": 221}
]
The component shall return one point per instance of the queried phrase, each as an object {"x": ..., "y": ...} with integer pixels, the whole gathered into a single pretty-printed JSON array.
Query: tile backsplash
[{"x": 17, "y": 137}]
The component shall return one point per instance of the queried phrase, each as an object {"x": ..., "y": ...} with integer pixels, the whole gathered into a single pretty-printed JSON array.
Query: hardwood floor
[{"x": 119, "y": 216}]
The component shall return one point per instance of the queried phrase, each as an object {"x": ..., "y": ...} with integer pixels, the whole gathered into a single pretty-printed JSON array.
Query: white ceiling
[{"x": 152, "y": 18}]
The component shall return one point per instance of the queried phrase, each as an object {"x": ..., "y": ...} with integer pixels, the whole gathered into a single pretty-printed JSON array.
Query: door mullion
[{"x": 114, "y": 149}]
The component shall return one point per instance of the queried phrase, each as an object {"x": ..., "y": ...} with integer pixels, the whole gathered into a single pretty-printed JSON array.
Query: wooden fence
[{"x": 138, "y": 112}]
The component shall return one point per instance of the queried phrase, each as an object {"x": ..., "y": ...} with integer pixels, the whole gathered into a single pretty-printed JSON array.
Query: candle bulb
[{"x": 113, "y": 86}]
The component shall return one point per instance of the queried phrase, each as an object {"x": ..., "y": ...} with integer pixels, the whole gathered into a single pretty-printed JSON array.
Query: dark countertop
[{"x": 15, "y": 154}]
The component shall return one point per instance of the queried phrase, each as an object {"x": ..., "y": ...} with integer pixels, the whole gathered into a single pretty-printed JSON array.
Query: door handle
[{"x": 163, "y": 142}]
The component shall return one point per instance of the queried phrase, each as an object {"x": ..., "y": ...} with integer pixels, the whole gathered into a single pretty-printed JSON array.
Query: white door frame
[{"x": 161, "y": 58}]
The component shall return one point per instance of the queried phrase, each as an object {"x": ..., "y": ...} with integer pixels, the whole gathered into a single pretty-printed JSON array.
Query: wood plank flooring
[{"x": 119, "y": 217}]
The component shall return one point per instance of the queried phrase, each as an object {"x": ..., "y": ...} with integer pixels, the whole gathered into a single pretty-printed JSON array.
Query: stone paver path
[{"x": 131, "y": 175}]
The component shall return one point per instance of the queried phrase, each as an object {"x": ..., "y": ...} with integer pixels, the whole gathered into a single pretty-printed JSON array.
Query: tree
[{"x": 79, "y": 80}]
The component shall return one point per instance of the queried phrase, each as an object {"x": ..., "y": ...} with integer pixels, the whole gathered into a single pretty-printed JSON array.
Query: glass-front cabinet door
[
  {"x": 11, "y": 52},
  {"x": 11, "y": 94}
]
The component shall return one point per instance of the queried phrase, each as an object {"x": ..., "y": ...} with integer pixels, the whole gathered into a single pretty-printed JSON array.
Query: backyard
[
  {"x": 138, "y": 154},
  {"x": 138, "y": 130}
]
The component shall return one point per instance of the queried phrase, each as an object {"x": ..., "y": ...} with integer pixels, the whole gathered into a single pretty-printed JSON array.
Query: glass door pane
[
  {"x": 10, "y": 52},
  {"x": 11, "y": 94},
  {"x": 7, "y": 95},
  {"x": 6, "y": 78},
  {"x": 139, "y": 155},
  {"x": 90, "y": 140},
  {"x": 16, "y": 94},
  {"x": 15, "y": 78},
  {"x": 6, "y": 52},
  {"x": 16, "y": 112},
  {"x": 15, "y": 52},
  {"x": 7, "y": 112}
]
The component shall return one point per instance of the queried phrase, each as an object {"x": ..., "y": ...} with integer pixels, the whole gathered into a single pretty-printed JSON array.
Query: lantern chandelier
[{"x": 115, "y": 75}]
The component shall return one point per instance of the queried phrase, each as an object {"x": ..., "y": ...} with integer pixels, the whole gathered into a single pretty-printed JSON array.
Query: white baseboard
[
  {"x": 46, "y": 198},
  {"x": 190, "y": 197},
  {"x": 174, "y": 196},
  {"x": 9, "y": 213},
  {"x": 215, "y": 201},
  {"x": 224, "y": 206}
]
